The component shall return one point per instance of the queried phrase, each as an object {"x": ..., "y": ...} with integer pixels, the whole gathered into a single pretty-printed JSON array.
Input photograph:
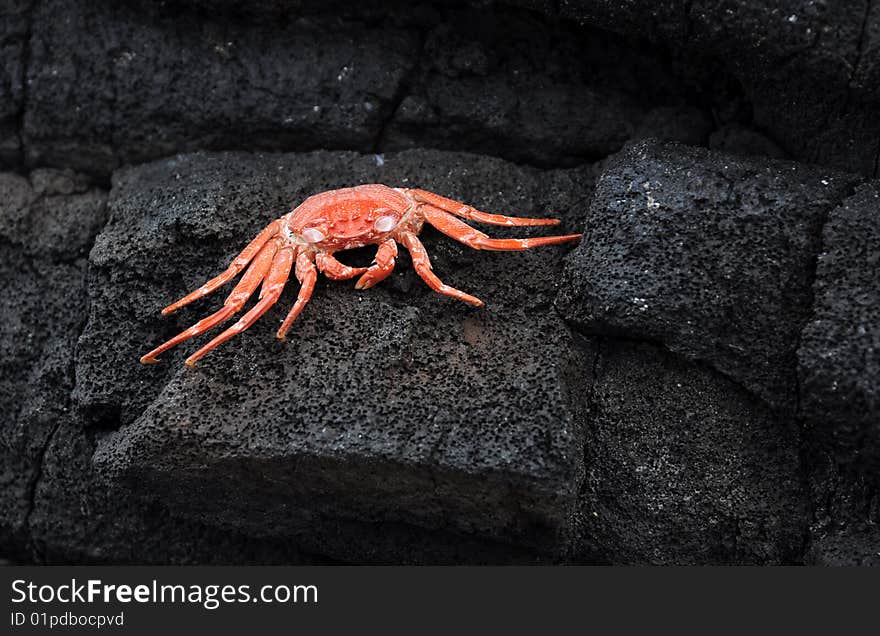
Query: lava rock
[
  {"x": 80, "y": 517},
  {"x": 845, "y": 525},
  {"x": 810, "y": 69},
  {"x": 684, "y": 467},
  {"x": 839, "y": 357},
  {"x": 710, "y": 254},
  {"x": 139, "y": 81},
  {"x": 41, "y": 314},
  {"x": 42, "y": 218},
  {"x": 847, "y": 549},
  {"x": 13, "y": 38},
  {"x": 736, "y": 139},
  {"x": 54, "y": 506},
  {"x": 394, "y": 406},
  {"x": 77, "y": 517},
  {"x": 510, "y": 84},
  {"x": 685, "y": 124}
]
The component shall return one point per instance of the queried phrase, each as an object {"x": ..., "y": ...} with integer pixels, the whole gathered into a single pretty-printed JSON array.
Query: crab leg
[
  {"x": 422, "y": 265},
  {"x": 382, "y": 265},
  {"x": 464, "y": 233},
  {"x": 234, "y": 302},
  {"x": 232, "y": 271},
  {"x": 272, "y": 287},
  {"x": 334, "y": 270},
  {"x": 467, "y": 212},
  {"x": 306, "y": 274}
]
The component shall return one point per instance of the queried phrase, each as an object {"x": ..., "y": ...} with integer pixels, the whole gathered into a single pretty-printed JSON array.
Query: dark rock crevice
[
  {"x": 877, "y": 162},
  {"x": 33, "y": 483},
  {"x": 857, "y": 57},
  {"x": 15, "y": 34},
  {"x": 404, "y": 88},
  {"x": 592, "y": 348},
  {"x": 25, "y": 64},
  {"x": 819, "y": 239},
  {"x": 860, "y": 42},
  {"x": 839, "y": 379}
]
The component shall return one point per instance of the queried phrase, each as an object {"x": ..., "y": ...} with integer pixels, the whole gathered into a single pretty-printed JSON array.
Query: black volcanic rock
[
  {"x": 845, "y": 497},
  {"x": 736, "y": 139},
  {"x": 53, "y": 506},
  {"x": 55, "y": 215},
  {"x": 684, "y": 467},
  {"x": 710, "y": 254},
  {"x": 78, "y": 517},
  {"x": 139, "y": 81},
  {"x": 41, "y": 313},
  {"x": 13, "y": 40},
  {"x": 810, "y": 69},
  {"x": 840, "y": 347},
  {"x": 394, "y": 405},
  {"x": 509, "y": 84}
]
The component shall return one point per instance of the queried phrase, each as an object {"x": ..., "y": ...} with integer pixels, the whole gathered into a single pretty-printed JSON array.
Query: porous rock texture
[
  {"x": 13, "y": 41},
  {"x": 685, "y": 467},
  {"x": 507, "y": 87},
  {"x": 839, "y": 370},
  {"x": 750, "y": 267},
  {"x": 840, "y": 347},
  {"x": 695, "y": 383},
  {"x": 42, "y": 314},
  {"x": 708, "y": 253},
  {"x": 810, "y": 69},
  {"x": 387, "y": 406},
  {"x": 150, "y": 81}
]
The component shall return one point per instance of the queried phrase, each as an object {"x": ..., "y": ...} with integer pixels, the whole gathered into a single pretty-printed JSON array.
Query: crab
[{"x": 306, "y": 238}]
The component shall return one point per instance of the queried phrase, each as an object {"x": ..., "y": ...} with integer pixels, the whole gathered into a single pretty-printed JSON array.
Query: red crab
[{"x": 306, "y": 238}]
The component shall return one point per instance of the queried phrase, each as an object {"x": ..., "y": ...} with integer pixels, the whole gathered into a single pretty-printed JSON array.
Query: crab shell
[{"x": 350, "y": 217}]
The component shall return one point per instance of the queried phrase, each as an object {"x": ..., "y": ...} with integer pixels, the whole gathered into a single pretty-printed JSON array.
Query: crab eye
[
  {"x": 385, "y": 223},
  {"x": 313, "y": 235}
]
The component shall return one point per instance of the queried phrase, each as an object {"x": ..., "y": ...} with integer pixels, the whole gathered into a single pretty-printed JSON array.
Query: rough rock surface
[
  {"x": 77, "y": 517},
  {"x": 737, "y": 139},
  {"x": 53, "y": 507},
  {"x": 810, "y": 69},
  {"x": 395, "y": 405},
  {"x": 840, "y": 347},
  {"x": 502, "y": 83},
  {"x": 13, "y": 42},
  {"x": 139, "y": 80},
  {"x": 148, "y": 81},
  {"x": 845, "y": 524},
  {"x": 710, "y": 254},
  {"x": 684, "y": 467},
  {"x": 41, "y": 313},
  {"x": 839, "y": 376}
]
